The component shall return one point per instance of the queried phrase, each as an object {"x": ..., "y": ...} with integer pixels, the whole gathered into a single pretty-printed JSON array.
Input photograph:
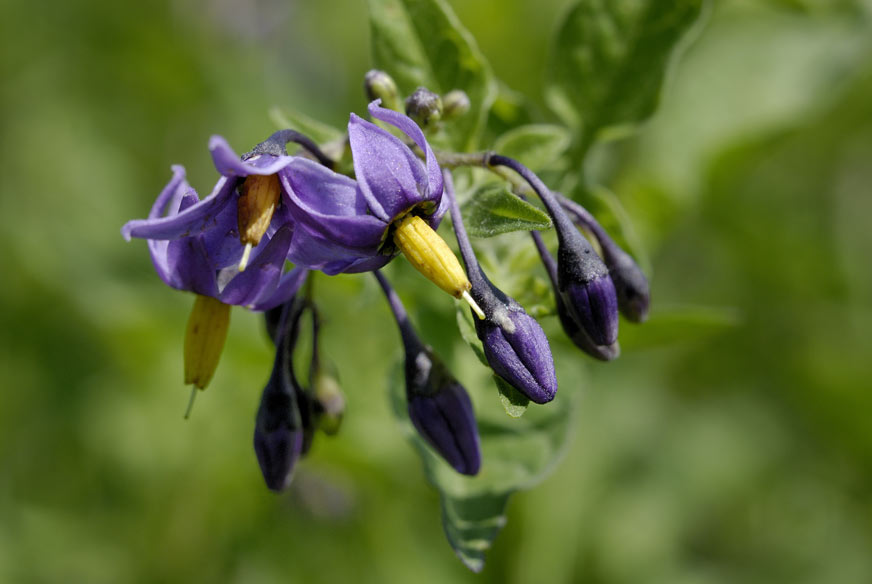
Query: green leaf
[
  {"x": 422, "y": 43},
  {"x": 537, "y": 146},
  {"x": 493, "y": 210},
  {"x": 514, "y": 402},
  {"x": 610, "y": 59},
  {"x": 516, "y": 454}
]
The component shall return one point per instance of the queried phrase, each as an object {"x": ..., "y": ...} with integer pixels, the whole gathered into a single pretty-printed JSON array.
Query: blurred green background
[{"x": 730, "y": 443}]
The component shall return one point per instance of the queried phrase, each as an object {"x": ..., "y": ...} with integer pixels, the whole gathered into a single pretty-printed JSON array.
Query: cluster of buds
[{"x": 269, "y": 209}]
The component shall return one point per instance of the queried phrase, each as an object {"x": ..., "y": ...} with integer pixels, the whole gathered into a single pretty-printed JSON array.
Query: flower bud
[
  {"x": 441, "y": 411},
  {"x": 380, "y": 85},
  {"x": 285, "y": 413},
  {"x": 424, "y": 107},
  {"x": 568, "y": 321},
  {"x": 439, "y": 407},
  {"x": 455, "y": 103},
  {"x": 631, "y": 285},
  {"x": 329, "y": 402},
  {"x": 581, "y": 339},
  {"x": 514, "y": 344},
  {"x": 278, "y": 433},
  {"x": 586, "y": 289}
]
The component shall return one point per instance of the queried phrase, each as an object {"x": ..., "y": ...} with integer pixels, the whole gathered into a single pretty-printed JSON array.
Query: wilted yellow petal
[{"x": 204, "y": 339}]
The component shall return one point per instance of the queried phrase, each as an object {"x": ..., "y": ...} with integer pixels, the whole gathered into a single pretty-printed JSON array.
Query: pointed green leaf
[
  {"x": 493, "y": 210},
  {"x": 422, "y": 43},
  {"x": 516, "y": 454},
  {"x": 537, "y": 146},
  {"x": 610, "y": 59}
]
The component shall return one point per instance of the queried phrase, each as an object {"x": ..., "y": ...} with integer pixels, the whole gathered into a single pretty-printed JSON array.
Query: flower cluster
[{"x": 270, "y": 209}]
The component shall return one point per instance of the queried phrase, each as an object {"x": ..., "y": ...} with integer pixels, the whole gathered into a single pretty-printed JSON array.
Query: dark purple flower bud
[
  {"x": 582, "y": 278},
  {"x": 514, "y": 344},
  {"x": 588, "y": 292},
  {"x": 571, "y": 326},
  {"x": 424, "y": 106},
  {"x": 441, "y": 411},
  {"x": 284, "y": 412},
  {"x": 438, "y": 405},
  {"x": 631, "y": 285}
]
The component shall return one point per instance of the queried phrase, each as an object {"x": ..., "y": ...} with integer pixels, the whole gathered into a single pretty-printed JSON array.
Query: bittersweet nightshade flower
[
  {"x": 571, "y": 327},
  {"x": 195, "y": 244},
  {"x": 346, "y": 225},
  {"x": 514, "y": 344},
  {"x": 438, "y": 405},
  {"x": 284, "y": 414},
  {"x": 634, "y": 294},
  {"x": 583, "y": 279}
]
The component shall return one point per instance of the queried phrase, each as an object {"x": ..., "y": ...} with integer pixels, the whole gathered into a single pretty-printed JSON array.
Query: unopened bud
[
  {"x": 380, "y": 85},
  {"x": 330, "y": 402},
  {"x": 455, "y": 103},
  {"x": 514, "y": 344},
  {"x": 441, "y": 411},
  {"x": 424, "y": 107}
]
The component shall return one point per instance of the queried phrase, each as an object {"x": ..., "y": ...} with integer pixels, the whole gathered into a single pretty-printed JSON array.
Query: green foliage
[
  {"x": 493, "y": 210},
  {"x": 422, "y": 43},
  {"x": 610, "y": 58}
]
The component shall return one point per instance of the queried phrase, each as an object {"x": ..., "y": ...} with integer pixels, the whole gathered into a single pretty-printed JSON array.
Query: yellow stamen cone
[
  {"x": 255, "y": 207},
  {"x": 431, "y": 256},
  {"x": 204, "y": 339}
]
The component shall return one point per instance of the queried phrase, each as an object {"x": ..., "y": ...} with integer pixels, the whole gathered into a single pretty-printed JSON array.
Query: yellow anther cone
[
  {"x": 204, "y": 339},
  {"x": 431, "y": 256}
]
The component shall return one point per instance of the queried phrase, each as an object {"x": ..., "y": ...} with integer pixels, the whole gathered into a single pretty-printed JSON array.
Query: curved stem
[
  {"x": 275, "y": 145},
  {"x": 473, "y": 271}
]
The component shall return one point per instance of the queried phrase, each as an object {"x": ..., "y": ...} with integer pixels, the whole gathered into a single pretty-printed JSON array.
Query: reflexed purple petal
[
  {"x": 228, "y": 162},
  {"x": 357, "y": 266},
  {"x": 168, "y": 198},
  {"x": 260, "y": 278},
  {"x": 222, "y": 240},
  {"x": 289, "y": 283},
  {"x": 316, "y": 253},
  {"x": 411, "y": 129},
  {"x": 189, "y": 266},
  {"x": 191, "y": 221},
  {"x": 390, "y": 176},
  {"x": 330, "y": 205}
]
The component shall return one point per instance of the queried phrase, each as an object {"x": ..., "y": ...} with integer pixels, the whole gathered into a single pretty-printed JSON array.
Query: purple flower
[
  {"x": 195, "y": 244},
  {"x": 341, "y": 224}
]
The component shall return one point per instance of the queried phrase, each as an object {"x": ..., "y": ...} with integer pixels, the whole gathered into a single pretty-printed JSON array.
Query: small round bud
[
  {"x": 424, "y": 106},
  {"x": 455, "y": 103},
  {"x": 380, "y": 85}
]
